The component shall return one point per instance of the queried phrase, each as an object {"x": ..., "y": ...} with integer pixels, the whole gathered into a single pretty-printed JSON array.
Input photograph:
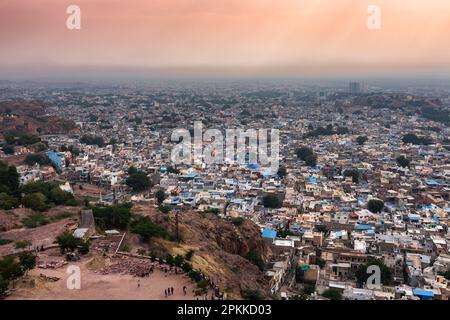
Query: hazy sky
[{"x": 269, "y": 36}]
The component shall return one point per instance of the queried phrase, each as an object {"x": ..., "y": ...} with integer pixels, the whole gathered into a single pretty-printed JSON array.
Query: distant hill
[{"x": 30, "y": 118}]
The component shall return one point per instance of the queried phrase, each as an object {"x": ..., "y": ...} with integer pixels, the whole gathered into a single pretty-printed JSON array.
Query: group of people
[
  {"x": 216, "y": 294},
  {"x": 168, "y": 292},
  {"x": 39, "y": 248},
  {"x": 170, "y": 269}
]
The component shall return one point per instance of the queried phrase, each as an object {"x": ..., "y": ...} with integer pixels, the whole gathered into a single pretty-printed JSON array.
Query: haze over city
[{"x": 225, "y": 37}]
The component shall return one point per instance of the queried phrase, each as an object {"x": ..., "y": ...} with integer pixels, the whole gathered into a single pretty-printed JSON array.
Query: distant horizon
[
  {"x": 132, "y": 75},
  {"x": 275, "y": 71}
]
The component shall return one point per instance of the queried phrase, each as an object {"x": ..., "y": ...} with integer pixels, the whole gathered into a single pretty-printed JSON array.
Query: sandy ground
[{"x": 95, "y": 286}]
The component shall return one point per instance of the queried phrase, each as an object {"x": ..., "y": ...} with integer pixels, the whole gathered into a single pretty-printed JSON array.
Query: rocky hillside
[
  {"x": 220, "y": 248},
  {"x": 31, "y": 118}
]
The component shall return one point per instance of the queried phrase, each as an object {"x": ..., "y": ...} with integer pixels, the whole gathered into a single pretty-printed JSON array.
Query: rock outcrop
[{"x": 220, "y": 249}]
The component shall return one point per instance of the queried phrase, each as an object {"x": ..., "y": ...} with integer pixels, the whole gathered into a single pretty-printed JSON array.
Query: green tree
[
  {"x": 311, "y": 160},
  {"x": 214, "y": 211},
  {"x": 284, "y": 232},
  {"x": 8, "y": 149},
  {"x": 361, "y": 140},
  {"x": 362, "y": 275},
  {"x": 189, "y": 254},
  {"x": 354, "y": 173},
  {"x": 178, "y": 260},
  {"x": 195, "y": 275},
  {"x": 410, "y": 138},
  {"x": 249, "y": 294},
  {"x": 10, "y": 269},
  {"x": 9, "y": 178},
  {"x": 174, "y": 170},
  {"x": 41, "y": 147},
  {"x": 67, "y": 241},
  {"x": 93, "y": 140},
  {"x": 27, "y": 261},
  {"x": 163, "y": 208},
  {"x": 414, "y": 139},
  {"x": 4, "y": 241},
  {"x": 141, "y": 252},
  {"x": 117, "y": 216},
  {"x": 309, "y": 289},
  {"x": 255, "y": 258},
  {"x": 138, "y": 181},
  {"x": 403, "y": 162},
  {"x": 39, "y": 158},
  {"x": 299, "y": 274},
  {"x": 132, "y": 170},
  {"x": 203, "y": 286},
  {"x": 147, "y": 229},
  {"x": 342, "y": 130},
  {"x": 282, "y": 172},
  {"x": 320, "y": 262},
  {"x": 170, "y": 260},
  {"x": 83, "y": 247},
  {"x": 59, "y": 196},
  {"x": 187, "y": 267},
  {"x": 35, "y": 220},
  {"x": 321, "y": 228},
  {"x": 446, "y": 274},
  {"x": 35, "y": 201},
  {"x": 3, "y": 286},
  {"x": 332, "y": 294},
  {"x": 237, "y": 221},
  {"x": 39, "y": 186},
  {"x": 7, "y": 202},
  {"x": 26, "y": 140},
  {"x": 271, "y": 201},
  {"x": 74, "y": 150},
  {"x": 22, "y": 244},
  {"x": 375, "y": 205},
  {"x": 304, "y": 152},
  {"x": 160, "y": 196}
]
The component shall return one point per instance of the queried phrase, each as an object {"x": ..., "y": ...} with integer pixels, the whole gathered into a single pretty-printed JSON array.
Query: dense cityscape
[{"x": 87, "y": 180}]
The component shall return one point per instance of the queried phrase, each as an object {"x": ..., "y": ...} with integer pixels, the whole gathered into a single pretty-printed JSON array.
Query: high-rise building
[{"x": 355, "y": 87}]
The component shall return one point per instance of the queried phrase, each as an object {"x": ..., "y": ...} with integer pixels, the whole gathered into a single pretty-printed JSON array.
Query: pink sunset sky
[{"x": 276, "y": 36}]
